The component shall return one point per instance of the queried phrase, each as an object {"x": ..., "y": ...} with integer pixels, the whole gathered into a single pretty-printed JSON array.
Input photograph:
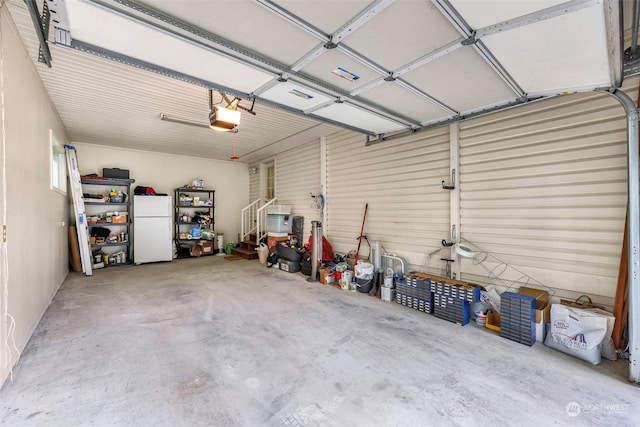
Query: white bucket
[
  {"x": 364, "y": 270},
  {"x": 481, "y": 318},
  {"x": 386, "y": 294}
]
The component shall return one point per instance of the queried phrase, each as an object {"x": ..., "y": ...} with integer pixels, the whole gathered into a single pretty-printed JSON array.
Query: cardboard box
[
  {"x": 326, "y": 277},
  {"x": 195, "y": 250},
  {"x": 119, "y": 219},
  {"x": 207, "y": 247},
  {"x": 543, "y": 309},
  {"x": 271, "y": 241}
]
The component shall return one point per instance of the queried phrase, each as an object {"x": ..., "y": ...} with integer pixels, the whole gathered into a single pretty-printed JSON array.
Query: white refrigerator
[{"x": 152, "y": 229}]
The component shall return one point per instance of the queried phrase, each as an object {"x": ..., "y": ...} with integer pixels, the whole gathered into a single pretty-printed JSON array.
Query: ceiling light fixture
[{"x": 224, "y": 119}]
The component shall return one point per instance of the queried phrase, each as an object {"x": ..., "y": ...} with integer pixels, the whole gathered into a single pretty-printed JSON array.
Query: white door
[
  {"x": 152, "y": 239},
  {"x": 150, "y": 206}
]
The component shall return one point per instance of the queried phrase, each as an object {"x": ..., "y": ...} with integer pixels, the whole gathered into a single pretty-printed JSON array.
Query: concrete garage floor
[{"x": 209, "y": 342}]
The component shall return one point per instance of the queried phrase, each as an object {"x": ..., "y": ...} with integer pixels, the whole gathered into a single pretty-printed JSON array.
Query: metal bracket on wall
[
  {"x": 451, "y": 186},
  {"x": 447, "y": 244}
]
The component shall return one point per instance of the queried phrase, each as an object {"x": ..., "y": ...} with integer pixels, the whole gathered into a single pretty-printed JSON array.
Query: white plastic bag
[
  {"x": 491, "y": 297},
  {"x": 577, "y": 332},
  {"x": 608, "y": 349},
  {"x": 364, "y": 270}
]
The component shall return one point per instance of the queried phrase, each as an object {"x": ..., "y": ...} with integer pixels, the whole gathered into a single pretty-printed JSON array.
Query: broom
[{"x": 361, "y": 232}]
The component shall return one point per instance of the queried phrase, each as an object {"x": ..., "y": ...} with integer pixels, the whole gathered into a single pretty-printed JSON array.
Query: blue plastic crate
[
  {"x": 517, "y": 318},
  {"x": 415, "y": 292}
]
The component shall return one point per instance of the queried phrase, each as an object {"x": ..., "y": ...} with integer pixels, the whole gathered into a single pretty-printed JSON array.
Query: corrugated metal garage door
[
  {"x": 401, "y": 181},
  {"x": 298, "y": 176},
  {"x": 543, "y": 190}
]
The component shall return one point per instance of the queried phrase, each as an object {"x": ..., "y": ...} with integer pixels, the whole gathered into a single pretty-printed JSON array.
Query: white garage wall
[
  {"x": 254, "y": 183},
  {"x": 37, "y": 244},
  {"x": 298, "y": 175},
  {"x": 401, "y": 180},
  {"x": 164, "y": 172},
  {"x": 543, "y": 189}
]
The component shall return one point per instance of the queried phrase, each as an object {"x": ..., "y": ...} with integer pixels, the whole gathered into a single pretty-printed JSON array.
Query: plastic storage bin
[
  {"x": 279, "y": 210},
  {"x": 287, "y": 253},
  {"x": 279, "y": 225}
]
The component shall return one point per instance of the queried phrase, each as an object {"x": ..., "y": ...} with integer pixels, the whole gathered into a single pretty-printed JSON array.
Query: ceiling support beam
[
  {"x": 40, "y": 27},
  {"x": 463, "y": 27},
  {"x": 62, "y": 31},
  {"x": 615, "y": 40},
  {"x": 295, "y": 20},
  {"x": 368, "y": 86},
  {"x": 426, "y": 96},
  {"x": 634, "y": 28},
  {"x": 308, "y": 58},
  {"x": 361, "y": 19},
  {"x": 631, "y": 57},
  {"x": 499, "y": 69},
  {"x": 364, "y": 61},
  {"x": 535, "y": 17},
  {"x": 441, "y": 51}
]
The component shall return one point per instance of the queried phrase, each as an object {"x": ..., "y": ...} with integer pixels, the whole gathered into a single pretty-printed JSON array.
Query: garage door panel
[
  {"x": 401, "y": 181},
  {"x": 543, "y": 189}
]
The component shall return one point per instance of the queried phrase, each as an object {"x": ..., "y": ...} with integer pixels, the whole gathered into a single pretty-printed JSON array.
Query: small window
[
  {"x": 58, "y": 164},
  {"x": 271, "y": 182}
]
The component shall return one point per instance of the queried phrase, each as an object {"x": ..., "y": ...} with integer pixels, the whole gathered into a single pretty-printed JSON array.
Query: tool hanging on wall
[{"x": 366, "y": 207}]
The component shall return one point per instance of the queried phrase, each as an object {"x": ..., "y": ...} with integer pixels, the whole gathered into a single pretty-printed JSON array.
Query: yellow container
[{"x": 493, "y": 321}]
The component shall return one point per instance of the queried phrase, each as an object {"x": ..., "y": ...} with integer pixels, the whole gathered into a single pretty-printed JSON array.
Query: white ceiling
[{"x": 313, "y": 67}]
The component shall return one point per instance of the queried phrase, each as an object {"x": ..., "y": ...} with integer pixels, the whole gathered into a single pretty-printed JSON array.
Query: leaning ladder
[{"x": 78, "y": 207}]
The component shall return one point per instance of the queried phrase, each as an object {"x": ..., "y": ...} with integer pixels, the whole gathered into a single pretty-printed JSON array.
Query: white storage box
[{"x": 278, "y": 225}]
